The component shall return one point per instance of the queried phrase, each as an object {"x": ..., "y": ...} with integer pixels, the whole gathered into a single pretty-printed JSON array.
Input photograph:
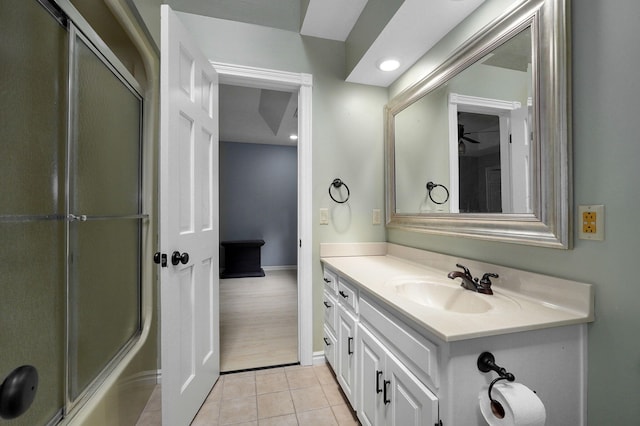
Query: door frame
[
  {"x": 302, "y": 83},
  {"x": 479, "y": 105}
]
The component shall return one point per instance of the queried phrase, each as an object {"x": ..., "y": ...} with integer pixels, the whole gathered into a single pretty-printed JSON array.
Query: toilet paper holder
[{"x": 487, "y": 362}]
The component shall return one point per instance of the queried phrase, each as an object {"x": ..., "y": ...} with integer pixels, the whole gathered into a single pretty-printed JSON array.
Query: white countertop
[{"x": 525, "y": 301}]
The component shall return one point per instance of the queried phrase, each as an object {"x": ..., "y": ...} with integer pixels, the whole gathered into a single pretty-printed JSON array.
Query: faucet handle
[
  {"x": 485, "y": 281},
  {"x": 464, "y": 268}
]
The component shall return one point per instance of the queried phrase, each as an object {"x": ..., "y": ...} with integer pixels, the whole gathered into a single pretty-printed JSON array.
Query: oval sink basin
[{"x": 448, "y": 297}]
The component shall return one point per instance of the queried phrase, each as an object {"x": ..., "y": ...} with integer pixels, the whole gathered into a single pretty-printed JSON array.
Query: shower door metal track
[{"x": 69, "y": 218}]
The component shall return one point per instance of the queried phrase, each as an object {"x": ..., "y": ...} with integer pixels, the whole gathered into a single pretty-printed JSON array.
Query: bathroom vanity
[{"x": 404, "y": 340}]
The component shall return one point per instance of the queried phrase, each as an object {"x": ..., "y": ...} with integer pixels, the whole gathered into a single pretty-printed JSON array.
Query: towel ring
[
  {"x": 431, "y": 186},
  {"x": 337, "y": 183}
]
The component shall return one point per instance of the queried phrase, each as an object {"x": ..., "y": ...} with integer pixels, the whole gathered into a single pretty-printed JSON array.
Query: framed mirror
[{"x": 480, "y": 147}]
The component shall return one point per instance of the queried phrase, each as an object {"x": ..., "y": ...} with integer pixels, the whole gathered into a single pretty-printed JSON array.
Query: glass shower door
[
  {"x": 33, "y": 74},
  {"x": 105, "y": 205},
  {"x": 70, "y": 208}
]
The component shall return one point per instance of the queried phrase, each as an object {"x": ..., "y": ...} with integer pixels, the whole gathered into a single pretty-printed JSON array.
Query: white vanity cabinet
[
  {"x": 373, "y": 376},
  {"x": 388, "y": 393},
  {"x": 394, "y": 366},
  {"x": 330, "y": 304},
  {"x": 418, "y": 336},
  {"x": 347, "y": 323},
  {"x": 340, "y": 327}
]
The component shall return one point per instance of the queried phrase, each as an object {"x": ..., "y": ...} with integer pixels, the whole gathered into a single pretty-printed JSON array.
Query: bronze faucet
[{"x": 468, "y": 282}]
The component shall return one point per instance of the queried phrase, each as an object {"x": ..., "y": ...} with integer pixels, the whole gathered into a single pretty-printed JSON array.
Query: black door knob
[{"x": 176, "y": 258}]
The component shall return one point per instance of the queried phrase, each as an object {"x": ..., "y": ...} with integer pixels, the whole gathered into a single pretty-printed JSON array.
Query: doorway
[
  {"x": 258, "y": 227},
  {"x": 276, "y": 309}
]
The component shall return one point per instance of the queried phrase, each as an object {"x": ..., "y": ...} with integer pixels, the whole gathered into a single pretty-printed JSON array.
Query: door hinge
[
  {"x": 300, "y": 243},
  {"x": 439, "y": 423},
  {"x": 160, "y": 259}
]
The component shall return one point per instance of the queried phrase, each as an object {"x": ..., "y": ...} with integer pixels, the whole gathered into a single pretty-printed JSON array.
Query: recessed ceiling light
[
  {"x": 388, "y": 64},
  {"x": 293, "y": 137}
]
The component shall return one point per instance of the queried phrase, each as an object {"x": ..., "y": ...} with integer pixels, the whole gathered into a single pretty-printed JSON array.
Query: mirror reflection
[{"x": 471, "y": 138}]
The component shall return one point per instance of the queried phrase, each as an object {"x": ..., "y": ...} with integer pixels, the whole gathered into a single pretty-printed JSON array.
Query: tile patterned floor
[{"x": 296, "y": 395}]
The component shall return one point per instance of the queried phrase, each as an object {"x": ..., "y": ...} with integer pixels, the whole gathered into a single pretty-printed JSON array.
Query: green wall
[{"x": 606, "y": 147}]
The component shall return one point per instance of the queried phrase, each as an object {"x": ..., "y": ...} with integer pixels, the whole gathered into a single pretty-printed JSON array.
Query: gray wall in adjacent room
[{"x": 258, "y": 198}]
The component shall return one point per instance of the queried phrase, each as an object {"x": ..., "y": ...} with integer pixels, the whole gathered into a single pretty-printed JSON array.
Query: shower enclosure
[{"x": 71, "y": 218}]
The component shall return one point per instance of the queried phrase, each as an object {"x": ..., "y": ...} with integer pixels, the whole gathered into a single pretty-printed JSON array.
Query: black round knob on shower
[
  {"x": 177, "y": 258},
  {"x": 17, "y": 391}
]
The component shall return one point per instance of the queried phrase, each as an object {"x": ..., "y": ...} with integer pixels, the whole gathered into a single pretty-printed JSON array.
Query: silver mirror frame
[{"x": 549, "y": 225}]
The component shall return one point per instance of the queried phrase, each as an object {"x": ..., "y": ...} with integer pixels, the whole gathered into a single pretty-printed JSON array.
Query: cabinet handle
[
  {"x": 378, "y": 376},
  {"x": 326, "y": 280},
  {"x": 349, "y": 351},
  {"x": 343, "y": 294},
  {"x": 384, "y": 396},
  {"x": 327, "y": 341},
  {"x": 327, "y": 304}
]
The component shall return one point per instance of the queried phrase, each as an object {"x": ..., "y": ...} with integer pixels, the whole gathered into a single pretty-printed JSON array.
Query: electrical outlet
[
  {"x": 375, "y": 217},
  {"x": 591, "y": 222},
  {"x": 324, "y": 216}
]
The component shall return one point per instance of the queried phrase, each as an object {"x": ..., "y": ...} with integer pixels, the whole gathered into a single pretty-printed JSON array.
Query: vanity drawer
[
  {"x": 330, "y": 312},
  {"x": 329, "y": 347},
  {"x": 348, "y": 295},
  {"x": 330, "y": 279},
  {"x": 414, "y": 350}
]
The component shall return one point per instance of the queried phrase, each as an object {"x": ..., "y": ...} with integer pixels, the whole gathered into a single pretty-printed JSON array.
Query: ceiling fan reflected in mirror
[
  {"x": 462, "y": 137},
  {"x": 462, "y": 134},
  {"x": 462, "y": 148}
]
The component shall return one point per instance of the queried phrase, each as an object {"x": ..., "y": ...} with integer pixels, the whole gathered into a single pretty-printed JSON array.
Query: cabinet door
[
  {"x": 370, "y": 366},
  {"x": 409, "y": 402},
  {"x": 345, "y": 356},
  {"x": 329, "y": 347},
  {"x": 330, "y": 310}
]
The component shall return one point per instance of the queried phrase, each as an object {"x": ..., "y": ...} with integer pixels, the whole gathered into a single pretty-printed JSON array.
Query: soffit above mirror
[{"x": 372, "y": 30}]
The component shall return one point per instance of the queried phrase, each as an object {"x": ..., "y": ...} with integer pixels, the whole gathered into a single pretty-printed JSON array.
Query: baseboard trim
[
  {"x": 280, "y": 268},
  {"x": 319, "y": 358}
]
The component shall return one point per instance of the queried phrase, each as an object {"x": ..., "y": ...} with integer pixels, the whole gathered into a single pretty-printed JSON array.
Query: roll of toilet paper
[{"x": 522, "y": 407}]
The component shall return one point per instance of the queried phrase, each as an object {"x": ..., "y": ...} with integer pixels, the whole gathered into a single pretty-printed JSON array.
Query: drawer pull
[
  {"x": 327, "y": 304},
  {"x": 384, "y": 396},
  {"x": 378, "y": 376},
  {"x": 327, "y": 341},
  {"x": 349, "y": 350},
  {"x": 326, "y": 280},
  {"x": 343, "y": 294}
]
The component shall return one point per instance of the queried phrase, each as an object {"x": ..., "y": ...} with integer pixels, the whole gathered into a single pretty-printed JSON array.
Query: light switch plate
[
  {"x": 591, "y": 222},
  {"x": 375, "y": 217},
  {"x": 324, "y": 216}
]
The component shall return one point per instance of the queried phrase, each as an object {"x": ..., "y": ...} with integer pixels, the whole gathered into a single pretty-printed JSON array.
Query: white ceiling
[
  {"x": 411, "y": 32},
  {"x": 251, "y": 115},
  {"x": 415, "y": 27},
  {"x": 331, "y": 19}
]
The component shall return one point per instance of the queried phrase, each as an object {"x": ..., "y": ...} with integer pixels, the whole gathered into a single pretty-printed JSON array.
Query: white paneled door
[{"x": 189, "y": 233}]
